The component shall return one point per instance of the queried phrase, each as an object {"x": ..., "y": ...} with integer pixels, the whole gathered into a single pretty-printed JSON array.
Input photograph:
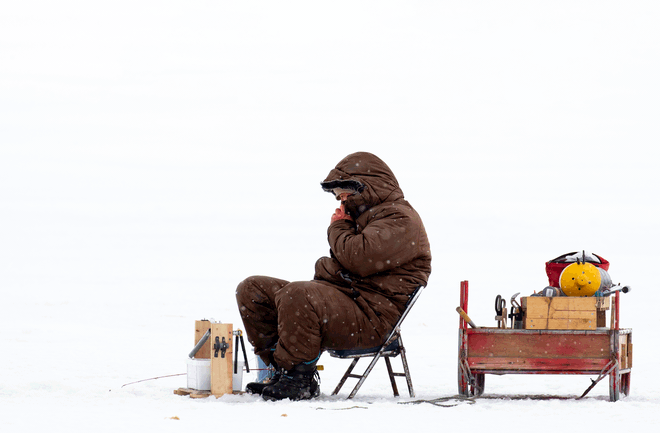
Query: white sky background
[{"x": 158, "y": 146}]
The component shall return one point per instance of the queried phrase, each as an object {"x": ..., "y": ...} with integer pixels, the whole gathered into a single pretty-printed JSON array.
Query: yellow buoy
[{"x": 580, "y": 279}]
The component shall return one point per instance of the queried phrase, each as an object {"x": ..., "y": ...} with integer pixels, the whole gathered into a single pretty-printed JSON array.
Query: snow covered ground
[{"x": 153, "y": 154}]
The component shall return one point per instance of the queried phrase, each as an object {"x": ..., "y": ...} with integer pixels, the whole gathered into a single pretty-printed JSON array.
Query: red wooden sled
[{"x": 603, "y": 352}]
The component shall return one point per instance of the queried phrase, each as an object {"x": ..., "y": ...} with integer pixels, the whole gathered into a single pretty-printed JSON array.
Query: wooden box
[
  {"x": 564, "y": 312},
  {"x": 625, "y": 351}
]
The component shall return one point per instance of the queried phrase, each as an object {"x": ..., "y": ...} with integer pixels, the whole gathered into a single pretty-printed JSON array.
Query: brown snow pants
[{"x": 301, "y": 319}]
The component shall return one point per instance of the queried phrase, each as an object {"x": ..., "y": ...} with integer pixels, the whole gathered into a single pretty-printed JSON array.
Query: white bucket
[
  {"x": 199, "y": 374},
  {"x": 237, "y": 379}
]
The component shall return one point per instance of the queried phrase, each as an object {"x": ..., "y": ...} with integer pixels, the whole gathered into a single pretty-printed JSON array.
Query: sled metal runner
[{"x": 605, "y": 352}]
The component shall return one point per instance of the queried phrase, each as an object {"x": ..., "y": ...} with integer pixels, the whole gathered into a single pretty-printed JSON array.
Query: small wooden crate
[{"x": 564, "y": 312}]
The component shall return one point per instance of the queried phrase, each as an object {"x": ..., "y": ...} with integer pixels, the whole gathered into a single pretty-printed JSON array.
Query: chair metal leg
[
  {"x": 391, "y": 374},
  {"x": 346, "y": 376},
  {"x": 371, "y": 366},
  {"x": 404, "y": 361}
]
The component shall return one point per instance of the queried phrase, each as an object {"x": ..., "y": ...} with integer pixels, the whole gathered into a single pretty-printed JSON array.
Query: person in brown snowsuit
[{"x": 379, "y": 255}]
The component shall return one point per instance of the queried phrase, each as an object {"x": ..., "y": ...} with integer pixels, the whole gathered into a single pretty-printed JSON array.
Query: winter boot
[
  {"x": 267, "y": 357},
  {"x": 299, "y": 383},
  {"x": 258, "y": 387}
]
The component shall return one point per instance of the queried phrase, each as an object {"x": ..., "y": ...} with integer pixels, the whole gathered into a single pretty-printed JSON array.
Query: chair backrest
[
  {"x": 409, "y": 305},
  {"x": 391, "y": 337}
]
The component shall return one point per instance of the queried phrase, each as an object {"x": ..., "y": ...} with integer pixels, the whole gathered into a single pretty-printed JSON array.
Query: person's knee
[
  {"x": 250, "y": 290},
  {"x": 297, "y": 294},
  {"x": 258, "y": 289}
]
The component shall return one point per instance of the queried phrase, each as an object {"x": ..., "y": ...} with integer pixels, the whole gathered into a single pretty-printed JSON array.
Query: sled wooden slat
[
  {"x": 588, "y": 366},
  {"x": 528, "y": 344}
]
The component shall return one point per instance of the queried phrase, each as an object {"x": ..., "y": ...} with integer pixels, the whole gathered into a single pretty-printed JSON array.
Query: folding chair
[{"x": 391, "y": 348}]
